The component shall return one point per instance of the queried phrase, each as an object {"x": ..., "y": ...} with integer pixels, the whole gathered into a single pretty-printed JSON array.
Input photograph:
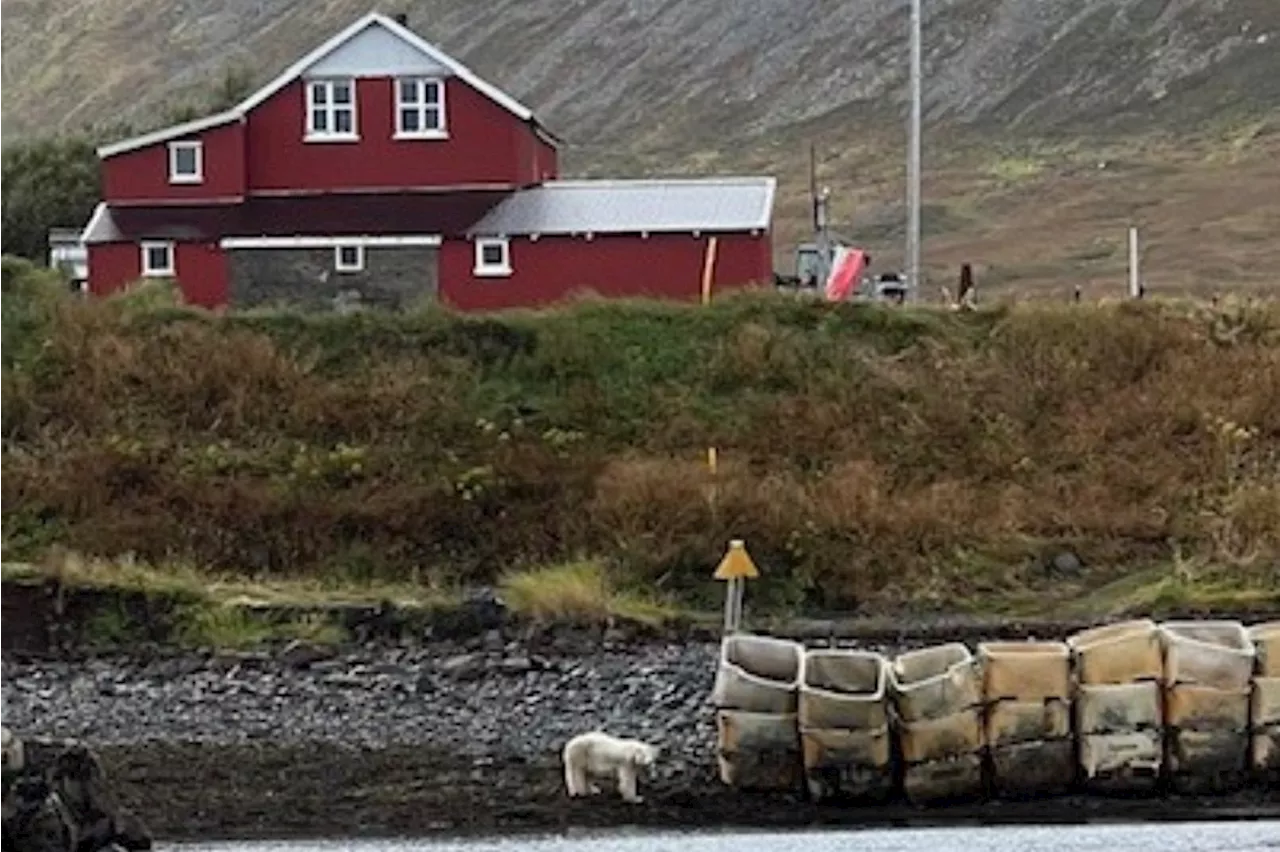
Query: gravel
[{"x": 507, "y": 703}]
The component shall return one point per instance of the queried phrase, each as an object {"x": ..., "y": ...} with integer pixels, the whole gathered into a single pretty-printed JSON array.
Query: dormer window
[
  {"x": 419, "y": 108},
  {"x": 186, "y": 162},
  {"x": 331, "y": 111}
]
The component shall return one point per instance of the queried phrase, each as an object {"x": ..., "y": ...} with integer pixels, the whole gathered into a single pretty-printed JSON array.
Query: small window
[
  {"x": 493, "y": 257},
  {"x": 157, "y": 260},
  {"x": 331, "y": 110},
  {"x": 419, "y": 108},
  {"x": 186, "y": 162},
  {"x": 348, "y": 258}
]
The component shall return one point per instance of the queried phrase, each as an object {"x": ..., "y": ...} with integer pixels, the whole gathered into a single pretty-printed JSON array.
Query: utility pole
[
  {"x": 913, "y": 160},
  {"x": 821, "y": 236},
  {"x": 1135, "y": 274}
]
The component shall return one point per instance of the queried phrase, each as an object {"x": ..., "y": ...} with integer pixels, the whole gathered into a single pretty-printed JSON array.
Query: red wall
[
  {"x": 144, "y": 173},
  {"x": 543, "y": 159},
  {"x": 201, "y": 270},
  {"x": 551, "y": 268},
  {"x": 486, "y": 144}
]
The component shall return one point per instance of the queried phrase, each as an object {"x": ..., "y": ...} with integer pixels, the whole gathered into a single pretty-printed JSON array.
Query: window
[
  {"x": 348, "y": 258},
  {"x": 331, "y": 110},
  {"x": 493, "y": 257},
  {"x": 186, "y": 162},
  {"x": 157, "y": 260},
  {"x": 419, "y": 108}
]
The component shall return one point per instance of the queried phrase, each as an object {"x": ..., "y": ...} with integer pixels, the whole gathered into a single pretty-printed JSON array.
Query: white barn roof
[{"x": 633, "y": 206}]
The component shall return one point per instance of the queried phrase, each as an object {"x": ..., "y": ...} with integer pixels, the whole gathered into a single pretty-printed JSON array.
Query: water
[{"x": 1148, "y": 837}]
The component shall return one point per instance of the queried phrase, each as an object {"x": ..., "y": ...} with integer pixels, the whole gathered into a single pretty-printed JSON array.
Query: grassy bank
[{"x": 873, "y": 458}]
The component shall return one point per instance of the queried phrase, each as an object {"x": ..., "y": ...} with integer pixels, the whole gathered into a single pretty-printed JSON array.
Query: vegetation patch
[
  {"x": 876, "y": 460},
  {"x": 577, "y": 592}
]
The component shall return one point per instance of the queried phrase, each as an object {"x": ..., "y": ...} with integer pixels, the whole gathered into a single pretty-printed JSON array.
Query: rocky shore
[
  {"x": 441, "y": 737},
  {"x": 280, "y": 742}
]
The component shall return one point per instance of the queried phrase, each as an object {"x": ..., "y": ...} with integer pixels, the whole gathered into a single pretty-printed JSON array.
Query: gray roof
[{"x": 633, "y": 206}]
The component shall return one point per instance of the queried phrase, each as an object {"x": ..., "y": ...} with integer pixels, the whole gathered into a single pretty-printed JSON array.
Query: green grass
[{"x": 578, "y": 592}]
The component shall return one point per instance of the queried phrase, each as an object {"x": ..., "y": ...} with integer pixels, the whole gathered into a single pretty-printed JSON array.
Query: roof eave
[
  {"x": 165, "y": 134},
  {"x": 543, "y": 133}
]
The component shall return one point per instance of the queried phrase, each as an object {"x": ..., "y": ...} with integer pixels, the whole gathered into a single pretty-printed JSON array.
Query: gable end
[{"x": 369, "y": 41}]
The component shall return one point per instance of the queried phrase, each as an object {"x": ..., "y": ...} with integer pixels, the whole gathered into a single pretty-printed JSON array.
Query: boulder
[{"x": 57, "y": 799}]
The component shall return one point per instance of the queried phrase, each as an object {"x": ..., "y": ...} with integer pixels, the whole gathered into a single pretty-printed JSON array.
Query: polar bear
[
  {"x": 597, "y": 754},
  {"x": 12, "y": 752}
]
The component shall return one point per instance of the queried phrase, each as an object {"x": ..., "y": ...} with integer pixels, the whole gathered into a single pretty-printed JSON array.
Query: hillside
[
  {"x": 1024, "y": 100},
  {"x": 874, "y": 458}
]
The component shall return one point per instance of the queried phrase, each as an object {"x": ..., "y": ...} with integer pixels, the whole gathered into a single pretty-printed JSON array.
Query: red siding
[
  {"x": 486, "y": 145},
  {"x": 543, "y": 160},
  {"x": 112, "y": 266},
  {"x": 201, "y": 270},
  {"x": 552, "y": 268},
  {"x": 203, "y": 274},
  {"x": 144, "y": 173}
]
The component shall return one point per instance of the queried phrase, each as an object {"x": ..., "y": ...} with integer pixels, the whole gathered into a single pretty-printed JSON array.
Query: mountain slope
[
  {"x": 1155, "y": 112},
  {"x": 622, "y": 71}
]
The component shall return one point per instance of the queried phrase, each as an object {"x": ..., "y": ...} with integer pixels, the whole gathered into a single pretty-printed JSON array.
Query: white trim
[
  {"x": 427, "y": 240},
  {"x": 99, "y": 212},
  {"x": 164, "y": 134},
  {"x": 330, "y": 109},
  {"x": 492, "y": 270},
  {"x": 330, "y": 137},
  {"x": 441, "y": 130},
  {"x": 194, "y": 145},
  {"x": 339, "y": 266},
  {"x": 295, "y": 71},
  {"x": 158, "y": 272}
]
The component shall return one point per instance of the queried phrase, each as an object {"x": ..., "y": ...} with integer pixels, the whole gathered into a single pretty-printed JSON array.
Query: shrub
[{"x": 871, "y": 457}]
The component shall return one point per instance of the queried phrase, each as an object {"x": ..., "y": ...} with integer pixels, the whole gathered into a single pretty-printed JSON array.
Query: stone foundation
[{"x": 393, "y": 277}]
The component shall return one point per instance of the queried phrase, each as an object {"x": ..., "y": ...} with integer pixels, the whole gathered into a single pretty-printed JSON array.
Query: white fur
[
  {"x": 11, "y": 747},
  {"x": 597, "y": 754}
]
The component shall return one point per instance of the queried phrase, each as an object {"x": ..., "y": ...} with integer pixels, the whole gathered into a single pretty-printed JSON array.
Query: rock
[
  {"x": 463, "y": 667},
  {"x": 299, "y": 654},
  {"x": 59, "y": 801},
  {"x": 516, "y": 665},
  {"x": 481, "y": 611},
  {"x": 1064, "y": 564}
]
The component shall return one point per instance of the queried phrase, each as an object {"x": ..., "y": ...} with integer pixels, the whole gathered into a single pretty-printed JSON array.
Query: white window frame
[
  {"x": 422, "y": 108},
  {"x": 493, "y": 270},
  {"x": 338, "y": 264},
  {"x": 331, "y": 110},
  {"x": 148, "y": 271},
  {"x": 197, "y": 148}
]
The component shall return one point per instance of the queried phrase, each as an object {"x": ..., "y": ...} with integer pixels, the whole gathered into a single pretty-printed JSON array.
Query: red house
[{"x": 379, "y": 168}]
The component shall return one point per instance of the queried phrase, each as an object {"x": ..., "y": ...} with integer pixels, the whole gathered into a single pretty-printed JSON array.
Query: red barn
[{"x": 379, "y": 168}]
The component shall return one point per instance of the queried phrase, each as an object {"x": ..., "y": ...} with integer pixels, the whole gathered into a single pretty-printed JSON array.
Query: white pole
[
  {"x": 1135, "y": 278},
  {"x": 913, "y": 158},
  {"x": 728, "y": 605}
]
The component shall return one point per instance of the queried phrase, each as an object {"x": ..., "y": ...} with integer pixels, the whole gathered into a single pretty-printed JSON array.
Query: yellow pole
[
  {"x": 708, "y": 265},
  {"x": 712, "y": 490}
]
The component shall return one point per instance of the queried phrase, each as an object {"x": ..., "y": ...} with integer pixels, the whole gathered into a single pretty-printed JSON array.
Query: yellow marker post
[
  {"x": 735, "y": 568},
  {"x": 708, "y": 267}
]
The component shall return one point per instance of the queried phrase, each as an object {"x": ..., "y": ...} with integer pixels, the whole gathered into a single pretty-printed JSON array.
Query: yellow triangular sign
[{"x": 736, "y": 563}]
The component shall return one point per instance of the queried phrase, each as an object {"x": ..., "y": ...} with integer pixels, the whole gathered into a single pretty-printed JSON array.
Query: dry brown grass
[
  {"x": 1035, "y": 216},
  {"x": 871, "y": 458}
]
